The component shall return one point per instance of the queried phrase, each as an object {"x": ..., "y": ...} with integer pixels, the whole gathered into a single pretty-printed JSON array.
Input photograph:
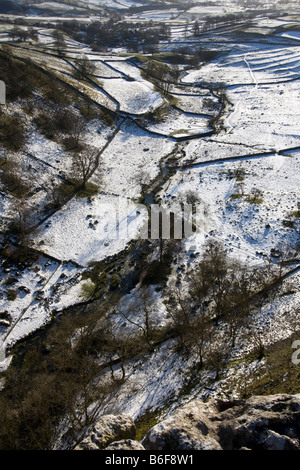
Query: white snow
[
  {"x": 43, "y": 288},
  {"x": 84, "y": 232},
  {"x": 240, "y": 225},
  {"x": 134, "y": 97}
]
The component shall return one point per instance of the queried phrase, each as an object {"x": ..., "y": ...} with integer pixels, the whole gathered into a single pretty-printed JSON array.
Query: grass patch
[
  {"x": 248, "y": 359},
  {"x": 240, "y": 178},
  {"x": 140, "y": 58},
  {"x": 160, "y": 114},
  {"x": 276, "y": 374},
  {"x": 146, "y": 422},
  {"x": 179, "y": 131},
  {"x": 171, "y": 99},
  {"x": 280, "y": 374},
  {"x": 88, "y": 290},
  {"x": 256, "y": 200}
]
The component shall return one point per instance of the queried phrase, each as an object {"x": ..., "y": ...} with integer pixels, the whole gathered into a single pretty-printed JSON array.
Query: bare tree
[
  {"x": 255, "y": 196},
  {"x": 196, "y": 28},
  {"x": 83, "y": 67},
  {"x": 142, "y": 178},
  {"x": 59, "y": 41},
  {"x": 211, "y": 277},
  {"x": 216, "y": 357},
  {"x": 192, "y": 197},
  {"x": 143, "y": 307},
  {"x": 201, "y": 334},
  {"x": 178, "y": 306},
  {"x": 20, "y": 226},
  {"x": 84, "y": 163}
]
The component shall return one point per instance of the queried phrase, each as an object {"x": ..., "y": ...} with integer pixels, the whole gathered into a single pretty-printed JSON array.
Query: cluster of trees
[
  {"x": 17, "y": 181},
  {"x": 156, "y": 264},
  {"x": 213, "y": 313},
  {"x": 68, "y": 127},
  {"x": 8, "y": 6},
  {"x": 19, "y": 34},
  {"x": 60, "y": 376},
  {"x": 59, "y": 41},
  {"x": 212, "y": 22},
  {"x": 20, "y": 78},
  {"x": 161, "y": 74},
  {"x": 114, "y": 33},
  {"x": 12, "y": 131},
  {"x": 75, "y": 363}
]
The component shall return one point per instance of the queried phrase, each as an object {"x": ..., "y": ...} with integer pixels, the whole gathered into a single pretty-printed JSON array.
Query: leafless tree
[
  {"x": 59, "y": 41},
  {"x": 83, "y": 67},
  {"x": 178, "y": 305},
  {"x": 255, "y": 195},
  {"x": 216, "y": 356},
  {"x": 143, "y": 306},
  {"x": 84, "y": 163}
]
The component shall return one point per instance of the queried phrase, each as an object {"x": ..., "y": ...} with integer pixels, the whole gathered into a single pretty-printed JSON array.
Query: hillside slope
[{"x": 103, "y": 314}]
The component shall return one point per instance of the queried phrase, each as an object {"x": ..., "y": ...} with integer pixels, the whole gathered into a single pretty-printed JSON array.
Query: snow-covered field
[
  {"x": 247, "y": 229},
  {"x": 45, "y": 287},
  {"x": 117, "y": 4},
  {"x": 262, "y": 86},
  {"x": 85, "y": 232},
  {"x": 90, "y": 231},
  {"x": 198, "y": 104},
  {"x": 134, "y": 97},
  {"x": 131, "y": 160},
  {"x": 248, "y": 64},
  {"x": 291, "y": 35},
  {"x": 217, "y": 10},
  {"x": 181, "y": 124},
  {"x": 264, "y": 117}
]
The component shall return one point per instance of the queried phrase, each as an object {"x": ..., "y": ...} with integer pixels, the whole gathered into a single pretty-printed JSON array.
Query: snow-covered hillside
[{"x": 223, "y": 133}]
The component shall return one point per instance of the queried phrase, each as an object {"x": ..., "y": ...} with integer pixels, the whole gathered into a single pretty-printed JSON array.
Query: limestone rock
[
  {"x": 275, "y": 441},
  {"x": 189, "y": 428},
  {"x": 261, "y": 422},
  {"x": 258, "y": 423},
  {"x": 108, "y": 429},
  {"x": 125, "y": 444}
]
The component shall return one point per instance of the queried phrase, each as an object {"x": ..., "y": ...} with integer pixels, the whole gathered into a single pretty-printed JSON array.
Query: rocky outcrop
[
  {"x": 189, "y": 428},
  {"x": 108, "y": 429},
  {"x": 259, "y": 423}
]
